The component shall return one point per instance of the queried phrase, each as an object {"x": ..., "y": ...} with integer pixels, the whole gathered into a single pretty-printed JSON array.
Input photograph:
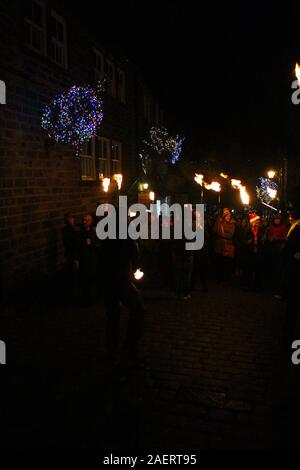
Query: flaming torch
[
  {"x": 200, "y": 180},
  {"x": 214, "y": 186},
  {"x": 237, "y": 184},
  {"x": 119, "y": 180},
  {"x": 297, "y": 72},
  {"x": 105, "y": 184}
]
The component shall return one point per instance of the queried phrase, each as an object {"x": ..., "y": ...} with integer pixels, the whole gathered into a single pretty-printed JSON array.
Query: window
[
  {"x": 116, "y": 157},
  {"x": 98, "y": 65},
  {"x": 35, "y": 27},
  {"x": 111, "y": 78},
  {"x": 102, "y": 152},
  {"x": 88, "y": 172},
  {"x": 121, "y": 85},
  {"x": 58, "y": 51}
]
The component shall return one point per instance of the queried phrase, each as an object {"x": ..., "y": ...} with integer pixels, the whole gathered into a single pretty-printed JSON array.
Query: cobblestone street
[{"x": 215, "y": 376}]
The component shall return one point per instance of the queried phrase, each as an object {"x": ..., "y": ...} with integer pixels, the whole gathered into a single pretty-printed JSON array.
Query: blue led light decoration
[
  {"x": 73, "y": 117},
  {"x": 161, "y": 146}
]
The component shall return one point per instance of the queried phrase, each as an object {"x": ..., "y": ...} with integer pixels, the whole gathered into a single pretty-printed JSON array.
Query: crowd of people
[{"x": 257, "y": 252}]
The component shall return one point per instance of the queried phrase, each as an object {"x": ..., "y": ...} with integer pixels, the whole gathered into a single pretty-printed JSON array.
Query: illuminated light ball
[{"x": 73, "y": 117}]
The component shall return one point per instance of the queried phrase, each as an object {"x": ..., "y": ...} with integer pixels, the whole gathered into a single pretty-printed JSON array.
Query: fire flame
[
  {"x": 224, "y": 176},
  {"x": 236, "y": 184},
  {"x": 138, "y": 275},
  {"x": 297, "y": 72},
  {"x": 105, "y": 184},
  {"x": 215, "y": 186},
  {"x": 152, "y": 196},
  {"x": 244, "y": 196},
  {"x": 119, "y": 180},
  {"x": 199, "y": 179}
]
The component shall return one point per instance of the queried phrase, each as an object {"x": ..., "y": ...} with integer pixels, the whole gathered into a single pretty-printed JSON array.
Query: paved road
[{"x": 215, "y": 376}]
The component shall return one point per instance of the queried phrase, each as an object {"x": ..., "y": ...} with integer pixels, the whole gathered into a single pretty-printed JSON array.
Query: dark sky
[{"x": 223, "y": 73}]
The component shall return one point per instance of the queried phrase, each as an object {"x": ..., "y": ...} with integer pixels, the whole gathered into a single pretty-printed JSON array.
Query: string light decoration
[
  {"x": 72, "y": 117},
  {"x": 162, "y": 146},
  {"x": 266, "y": 190}
]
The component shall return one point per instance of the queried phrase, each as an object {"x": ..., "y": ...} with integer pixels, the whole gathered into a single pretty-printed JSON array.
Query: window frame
[
  {"x": 42, "y": 29},
  {"x": 57, "y": 43},
  {"x": 111, "y": 83},
  {"x": 90, "y": 158},
  {"x": 98, "y": 75},
  {"x": 113, "y": 160},
  {"x": 107, "y": 159}
]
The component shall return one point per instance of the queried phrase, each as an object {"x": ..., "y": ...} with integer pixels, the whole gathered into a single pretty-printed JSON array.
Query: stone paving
[{"x": 215, "y": 376}]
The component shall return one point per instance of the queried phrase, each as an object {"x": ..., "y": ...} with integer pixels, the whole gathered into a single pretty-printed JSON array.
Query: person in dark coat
[
  {"x": 70, "y": 237},
  {"x": 88, "y": 258},
  {"x": 291, "y": 266},
  {"x": 118, "y": 262}
]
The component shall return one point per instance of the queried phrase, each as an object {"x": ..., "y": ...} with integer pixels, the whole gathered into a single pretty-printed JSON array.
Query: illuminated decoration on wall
[
  {"x": 105, "y": 184},
  {"x": 73, "y": 117},
  {"x": 119, "y": 180},
  {"x": 161, "y": 146},
  {"x": 266, "y": 190}
]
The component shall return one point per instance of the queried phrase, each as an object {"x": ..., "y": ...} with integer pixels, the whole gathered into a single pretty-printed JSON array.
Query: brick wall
[{"x": 39, "y": 180}]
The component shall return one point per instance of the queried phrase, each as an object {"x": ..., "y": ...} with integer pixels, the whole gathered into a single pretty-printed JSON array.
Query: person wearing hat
[{"x": 255, "y": 241}]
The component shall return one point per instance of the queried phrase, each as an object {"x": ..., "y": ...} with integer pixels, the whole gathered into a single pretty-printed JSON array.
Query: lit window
[
  {"x": 58, "y": 50},
  {"x": 116, "y": 157},
  {"x": 88, "y": 172},
  {"x": 35, "y": 27}
]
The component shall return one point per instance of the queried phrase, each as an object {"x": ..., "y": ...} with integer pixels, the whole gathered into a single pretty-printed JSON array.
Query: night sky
[{"x": 223, "y": 74}]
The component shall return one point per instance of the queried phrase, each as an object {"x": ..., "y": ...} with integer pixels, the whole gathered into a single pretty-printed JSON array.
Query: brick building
[{"x": 43, "y": 51}]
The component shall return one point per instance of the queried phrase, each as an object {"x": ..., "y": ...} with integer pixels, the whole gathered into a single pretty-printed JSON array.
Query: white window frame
[
  {"x": 113, "y": 160},
  {"x": 57, "y": 43},
  {"x": 42, "y": 29},
  {"x": 111, "y": 80},
  {"x": 99, "y": 74},
  {"x": 121, "y": 93},
  {"x": 90, "y": 158},
  {"x": 103, "y": 140}
]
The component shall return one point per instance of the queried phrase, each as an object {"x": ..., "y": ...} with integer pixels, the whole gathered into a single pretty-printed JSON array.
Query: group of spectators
[{"x": 258, "y": 251}]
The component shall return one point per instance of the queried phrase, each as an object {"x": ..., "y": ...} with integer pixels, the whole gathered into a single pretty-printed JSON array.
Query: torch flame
[
  {"x": 119, "y": 180},
  {"x": 138, "y": 275},
  {"x": 244, "y": 196},
  {"x": 215, "y": 186},
  {"x": 297, "y": 72},
  {"x": 199, "y": 179},
  {"x": 236, "y": 184},
  {"x": 105, "y": 184},
  {"x": 224, "y": 176}
]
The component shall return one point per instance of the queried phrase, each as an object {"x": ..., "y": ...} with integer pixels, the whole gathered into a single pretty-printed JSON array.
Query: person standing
[
  {"x": 88, "y": 257},
  {"x": 70, "y": 237},
  {"x": 224, "y": 247},
  {"x": 291, "y": 266}
]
